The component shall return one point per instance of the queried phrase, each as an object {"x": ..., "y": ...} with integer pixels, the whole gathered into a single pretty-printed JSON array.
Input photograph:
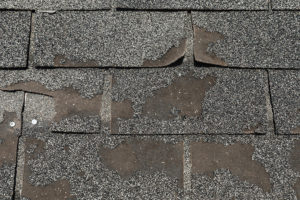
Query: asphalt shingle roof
[{"x": 130, "y": 99}]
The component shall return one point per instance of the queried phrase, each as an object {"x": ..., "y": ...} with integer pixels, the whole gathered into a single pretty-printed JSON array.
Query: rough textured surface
[
  {"x": 68, "y": 101},
  {"x": 185, "y": 100},
  {"x": 14, "y": 38},
  {"x": 194, "y": 4},
  {"x": 270, "y": 153},
  {"x": 248, "y": 41},
  {"x": 55, "y": 4},
  {"x": 92, "y": 39},
  {"x": 53, "y": 162},
  {"x": 10, "y": 128},
  {"x": 285, "y": 91},
  {"x": 285, "y": 5}
]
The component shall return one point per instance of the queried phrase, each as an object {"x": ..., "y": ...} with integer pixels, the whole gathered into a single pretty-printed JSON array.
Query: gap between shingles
[
  {"x": 19, "y": 162},
  {"x": 271, "y": 102}
]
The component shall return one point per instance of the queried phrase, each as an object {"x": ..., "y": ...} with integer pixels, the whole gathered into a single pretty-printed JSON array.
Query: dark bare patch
[
  {"x": 68, "y": 102},
  {"x": 120, "y": 110},
  {"x": 297, "y": 188},
  {"x": 62, "y": 61},
  {"x": 172, "y": 55},
  {"x": 295, "y": 157},
  {"x": 56, "y": 190},
  {"x": 202, "y": 39},
  {"x": 138, "y": 155},
  {"x": 296, "y": 130},
  {"x": 9, "y": 138},
  {"x": 184, "y": 97},
  {"x": 208, "y": 157}
]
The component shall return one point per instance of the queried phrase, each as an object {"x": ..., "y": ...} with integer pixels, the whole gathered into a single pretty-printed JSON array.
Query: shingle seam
[
  {"x": 271, "y": 102},
  {"x": 17, "y": 151}
]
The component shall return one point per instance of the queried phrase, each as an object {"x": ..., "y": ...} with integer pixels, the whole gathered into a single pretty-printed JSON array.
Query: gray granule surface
[
  {"x": 285, "y": 4},
  {"x": 11, "y": 102},
  {"x": 194, "y": 4},
  {"x": 7, "y": 174},
  {"x": 248, "y": 39},
  {"x": 14, "y": 38},
  {"x": 236, "y": 102},
  {"x": 274, "y": 155},
  {"x": 285, "y": 91},
  {"x": 55, "y": 4},
  {"x": 104, "y": 39},
  {"x": 88, "y": 82},
  {"x": 97, "y": 181}
]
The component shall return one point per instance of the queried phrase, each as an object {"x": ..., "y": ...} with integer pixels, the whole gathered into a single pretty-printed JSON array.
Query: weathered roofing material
[
  {"x": 105, "y": 39},
  {"x": 247, "y": 39}
]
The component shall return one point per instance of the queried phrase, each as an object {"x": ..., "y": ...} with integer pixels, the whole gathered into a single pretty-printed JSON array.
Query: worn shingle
[
  {"x": 65, "y": 100},
  {"x": 112, "y": 168},
  {"x": 194, "y": 4},
  {"x": 247, "y": 39},
  {"x": 55, "y": 4},
  {"x": 103, "y": 39},
  {"x": 189, "y": 100},
  {"x": 285, "y": 91},
  {"x": 10, "y": 128},
  {"x": 14, "y": 38}
]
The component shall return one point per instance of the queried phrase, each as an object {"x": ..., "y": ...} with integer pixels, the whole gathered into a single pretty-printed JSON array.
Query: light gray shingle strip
[
  {"x": 285, "y": 5},
  {"x": 247, "y": 39},
  {"x": 188, "y": 100},
  {"x": 285, "y": 90},
  {"x": 14, "y": 38},
  {"x": 55, "y": 4},
  {"x": 194, "y": 4},
  {"x": 10, "y": 128},
  {"x": 62, "y": 100},
  {"x": 105, "y": 39}
]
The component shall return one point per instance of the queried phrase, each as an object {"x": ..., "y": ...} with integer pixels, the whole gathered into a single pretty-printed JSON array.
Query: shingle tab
[
  {"x": 104, "y": 39},
  {"x": 112, "y": 168},
  {"x": 64, "y": 100},
  {"x": 55, "y": 4},
  {"x": 10, "y": 128},
  {"x": 188, "y": 101},
  {"x": 194, "y": 4},
  {"x": 285, "y": 4},
  {"x": 14, "y": 38},
  {"x": 285, "y": 90},
  {"x": 247, "y": 39}
]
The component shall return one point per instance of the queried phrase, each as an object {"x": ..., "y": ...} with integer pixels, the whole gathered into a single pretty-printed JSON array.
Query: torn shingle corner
[
  {"x": 172, "y": 55},
  {"x": 202, "y": 40}
]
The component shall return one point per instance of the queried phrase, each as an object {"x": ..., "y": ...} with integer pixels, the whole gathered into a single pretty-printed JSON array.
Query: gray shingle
[
  {"x": 55, "y": 4},
  {"x": 275, "y": 160},
  {"x": 112, "y": 168},
  {"x": 189, "y": 100},
  {"x": 285, "y": 90},
  {"x": 247, "y": 39},
  {"x": 10, "y": 128},
  {"x": 285, "y": 5},
  {"x": 65, "y": 100},
  {"x": 194, "y": 4},
  {"x": 14, "y": 38},
  {"x": 100, "y": 39}
]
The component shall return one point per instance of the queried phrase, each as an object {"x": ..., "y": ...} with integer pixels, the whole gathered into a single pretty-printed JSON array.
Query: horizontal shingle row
[
  {"x": 174, "y": 100},
  {"x": 150, "y": 4},
  {"x": 150, "y": 39}
]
